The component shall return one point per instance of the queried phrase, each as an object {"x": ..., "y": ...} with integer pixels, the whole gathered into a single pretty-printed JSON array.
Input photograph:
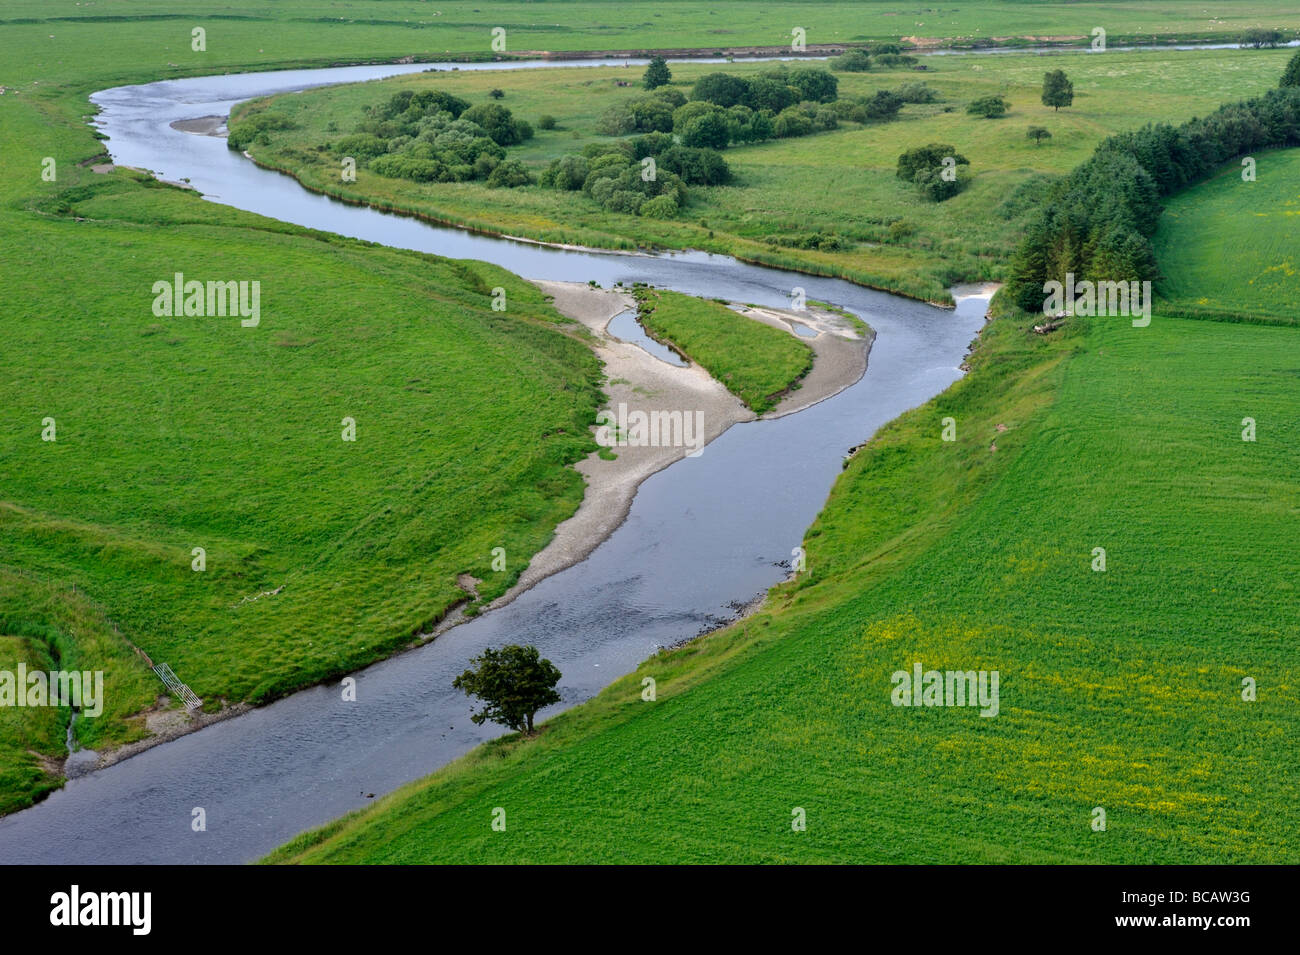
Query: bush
[
  {"x": 709, "y": 130},
  {"x": 852, "y": 61},
  {"x": 790, "y": 123},
  {"x": 721, "y": 89},
  {"x": 625, "y": 201},
  {"x": 546, "y": 121},
  {"x": 498, "y": 123},
  {"x": 917, "y": 93},
  {"x": 815, "y": 85},
  {"x": 660, "y": 207},
  {"x": 990, "y": 107},
  {"x": 882, "y": 105},
  {"x": 567, "y": 172},
  {"x": 933, "y": 168},
  {"x": 254, "y": 128},
  {"x": 397, "y": 166},
  {"x": 894, "y": 60},
  {"x": 509, "y": 173},
  {"x": 702, "y": 167},
  {"x": 362, "y": 147}
]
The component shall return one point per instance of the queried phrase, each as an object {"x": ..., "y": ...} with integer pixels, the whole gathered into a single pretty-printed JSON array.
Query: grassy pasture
[{"x": 839, "y": 182}]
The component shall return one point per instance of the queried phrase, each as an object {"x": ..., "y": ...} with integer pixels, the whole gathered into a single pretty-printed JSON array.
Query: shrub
[
  {"x": 721, "y": 89},
  {"x": 567, "y": 172},
  {"x": 546, "y": 121},
  {"x": 509, "y": 173},
  {"x": 361, "y": 146},
  {"x": 990, "y": 107},
  {"x": 709, "y": 130},
  {"x": 660, "y": 207},
  {"x": 498, "y": 123},
  {"x": 852, "y": 61},
  {"x": 917, "y": 93},
  {"x": 254, "y": 128}
]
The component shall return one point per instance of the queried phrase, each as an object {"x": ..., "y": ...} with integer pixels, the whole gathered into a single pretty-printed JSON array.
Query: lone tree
[
  {"x": 990, "y": 107},
  {"x": 513, "y": 682},
  {"x": 1291, "y": 75},
  {"x": 657, "y": 73},
  {"x": 1058, "y": 91},
  {"x": 1038, "y": 134}
]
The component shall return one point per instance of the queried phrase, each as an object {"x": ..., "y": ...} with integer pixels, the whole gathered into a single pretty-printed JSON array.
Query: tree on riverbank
[
  {"x": 657, "y": 74},
  {"x": 514, "y": 683}
]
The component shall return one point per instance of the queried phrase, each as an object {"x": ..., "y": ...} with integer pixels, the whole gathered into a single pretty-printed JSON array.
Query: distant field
[
  {"x": 756, "y": 362},
  {"x": 1232, "y": 247},
  {"x": 840, "y": 182}
]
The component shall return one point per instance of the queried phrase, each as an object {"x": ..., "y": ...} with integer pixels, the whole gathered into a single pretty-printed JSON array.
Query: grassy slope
[
  {"x": 841, "y": 182},
  {"x": 1260, "y": 233},
  {"x": 1118, "y": 689},
  {"x": 757, "y": 363}
]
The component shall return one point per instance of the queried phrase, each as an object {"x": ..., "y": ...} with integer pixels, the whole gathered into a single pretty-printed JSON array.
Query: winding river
[{"x": 703, "y": 537}]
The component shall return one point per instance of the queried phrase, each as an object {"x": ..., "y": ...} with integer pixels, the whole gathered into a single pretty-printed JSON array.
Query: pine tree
[
  {"x": 1291, "y": 76},
  {"x": 657, "y": 73}
]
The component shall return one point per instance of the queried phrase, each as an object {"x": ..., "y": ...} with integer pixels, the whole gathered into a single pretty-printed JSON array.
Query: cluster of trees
[
  {"x": 889, "y": 55},
  {"x": 645, "y": 175},
  {"x": 1097, "y": 221},
  {"x": 935, "y": 170},
  {"x": 724, "y": 109},
  {"x": 432, "y": 136}
]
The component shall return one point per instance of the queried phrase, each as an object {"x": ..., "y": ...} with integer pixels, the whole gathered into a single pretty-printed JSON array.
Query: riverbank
[{"x": 639, "y": 382}]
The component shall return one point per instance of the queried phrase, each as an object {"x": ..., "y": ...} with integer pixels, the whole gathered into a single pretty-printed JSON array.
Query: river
[{"x": 703, "y": 537}]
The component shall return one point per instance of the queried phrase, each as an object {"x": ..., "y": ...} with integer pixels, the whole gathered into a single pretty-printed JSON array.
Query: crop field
[{"x": 1229, "y": 249}]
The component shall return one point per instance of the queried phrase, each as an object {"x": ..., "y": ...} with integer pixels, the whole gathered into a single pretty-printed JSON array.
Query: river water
[{"x": 703, "y": 537}]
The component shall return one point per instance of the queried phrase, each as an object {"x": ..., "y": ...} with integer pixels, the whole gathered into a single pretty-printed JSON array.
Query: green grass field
[
  {"x": 757, "y": 363},
  {"x": 1229, "y": 249},
  {"x": 1119, "y": 689},
  {"x": 841, "y": 182}
]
